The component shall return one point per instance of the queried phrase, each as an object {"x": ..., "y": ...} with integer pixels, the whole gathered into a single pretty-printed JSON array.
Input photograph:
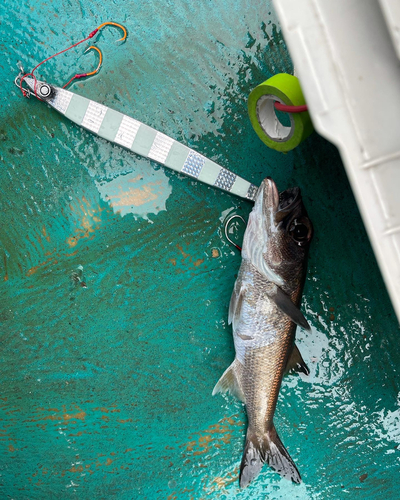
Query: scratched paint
[{"x": 106, "y": 389}]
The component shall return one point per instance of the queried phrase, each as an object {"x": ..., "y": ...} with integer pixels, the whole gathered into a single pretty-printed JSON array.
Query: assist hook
[
  {"x": 27, "y": 93},
  {"x": 83, "y": 75},
  {"x": 110, "y": 23}
]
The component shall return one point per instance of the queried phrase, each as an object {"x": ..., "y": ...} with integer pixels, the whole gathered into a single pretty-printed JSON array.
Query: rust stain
[
  {"x": 31, "y": 242},
  {"x": 44, "y": 232},
  {"x": 184, "y": 254},
  {"x": 223, "y": 481},
  {"x": 33, "y": 269},
  {"x": 11, "y": 448},
  {"x": 186, "y": 258},
  {"x": 214, "y": 436},
  {"x": 88, "y": 221},
  {"x": 57, "y": 415},
  {"x": 5, "y": 267},
  {"x": 214, "y": 253}
]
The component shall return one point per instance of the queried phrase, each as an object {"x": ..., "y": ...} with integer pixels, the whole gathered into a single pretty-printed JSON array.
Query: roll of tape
[{"x": 285, "y": 89}]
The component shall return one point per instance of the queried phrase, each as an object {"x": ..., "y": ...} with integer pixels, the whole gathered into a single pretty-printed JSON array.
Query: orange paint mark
[
  {"x": 11, "y": 448},
  {"x": 124, "y": 421},
  {"x": 215, "y": 253},
  {"x": 172, "y": 261},
  {"x": 109, "y": 461},
  {"x": 198, "y": 262}
]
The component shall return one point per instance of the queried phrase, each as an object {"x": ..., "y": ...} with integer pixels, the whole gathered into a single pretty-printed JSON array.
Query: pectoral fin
[
  {"x": 230, "y": 381},
  {"x": 235, "y": 306},
  {"x": 296, "y": 362},
  {"x": 283, "y": 301}
]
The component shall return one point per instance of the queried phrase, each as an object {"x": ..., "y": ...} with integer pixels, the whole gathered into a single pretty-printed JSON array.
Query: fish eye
[{"x": 299, "y": 232}]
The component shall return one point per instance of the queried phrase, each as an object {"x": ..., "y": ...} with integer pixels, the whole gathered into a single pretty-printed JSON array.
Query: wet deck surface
[{"x": 106, "y": 389}]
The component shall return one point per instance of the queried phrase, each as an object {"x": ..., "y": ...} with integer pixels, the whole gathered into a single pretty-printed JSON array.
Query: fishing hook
[
  {"x": 27, "y": 93},
  {"x": 18, "y": 81},
  {"x": 226, "y": 230},
  {"x": 83, "y": 75},
  {"x": 114, "y": 24}
]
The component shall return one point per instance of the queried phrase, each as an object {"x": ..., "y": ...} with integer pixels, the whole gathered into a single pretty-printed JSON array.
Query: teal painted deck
[{"x": 106, "y": 390}]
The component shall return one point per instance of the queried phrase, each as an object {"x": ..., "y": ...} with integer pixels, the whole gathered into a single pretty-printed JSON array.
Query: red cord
[
  {"x": 290, "y": 109},
  {"x": 58, "y": 53},
  {"x": 76, "y": 77}
]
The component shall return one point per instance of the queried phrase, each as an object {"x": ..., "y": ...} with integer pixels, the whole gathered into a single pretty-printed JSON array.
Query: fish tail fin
[
  {"x": 253, "y": 458},
  {"x": 267, "y": 448}
]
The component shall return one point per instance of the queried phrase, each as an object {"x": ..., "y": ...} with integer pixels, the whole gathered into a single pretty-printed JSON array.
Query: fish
[{"x": 264, "y": 313}]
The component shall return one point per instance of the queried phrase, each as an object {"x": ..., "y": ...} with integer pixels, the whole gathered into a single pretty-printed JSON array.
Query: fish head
[{"x": 279, "y": 232}]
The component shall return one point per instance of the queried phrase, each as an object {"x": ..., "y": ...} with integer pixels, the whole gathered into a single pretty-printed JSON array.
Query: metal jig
[
  {"x": 83, "y": 75},
  {"x": 226, "y": 230}
]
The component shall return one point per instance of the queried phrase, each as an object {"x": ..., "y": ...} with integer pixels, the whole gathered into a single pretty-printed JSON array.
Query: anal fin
[
  {"x": 296, "y": 362},
  {"x": 230, "y": 381}
]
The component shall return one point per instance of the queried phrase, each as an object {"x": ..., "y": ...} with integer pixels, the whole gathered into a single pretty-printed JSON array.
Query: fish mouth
[
  {"x": 278, "y": 205},
  {"x": 269, "y": 195}
]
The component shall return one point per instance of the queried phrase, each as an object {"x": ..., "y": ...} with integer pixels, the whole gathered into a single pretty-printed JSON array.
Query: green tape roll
[{"x": 285, "y": 89}]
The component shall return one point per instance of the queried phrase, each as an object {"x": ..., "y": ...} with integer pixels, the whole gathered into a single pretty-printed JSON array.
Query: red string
[
  {"x": 58, "y": 53},
  {"x": 82, "y": 75},
  {"x": 290, "y": 109}
]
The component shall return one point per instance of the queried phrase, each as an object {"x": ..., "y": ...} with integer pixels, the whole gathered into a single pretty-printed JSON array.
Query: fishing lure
[{"x": 130, "y": 133}]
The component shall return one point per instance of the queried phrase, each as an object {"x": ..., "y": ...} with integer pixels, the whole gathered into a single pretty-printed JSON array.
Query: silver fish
[{"x": 264, "y": 311}]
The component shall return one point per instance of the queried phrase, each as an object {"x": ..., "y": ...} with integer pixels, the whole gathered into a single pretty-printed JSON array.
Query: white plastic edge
[
  {"x": 350, "y": 75},
  {"x": 391, "y": 11}
]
